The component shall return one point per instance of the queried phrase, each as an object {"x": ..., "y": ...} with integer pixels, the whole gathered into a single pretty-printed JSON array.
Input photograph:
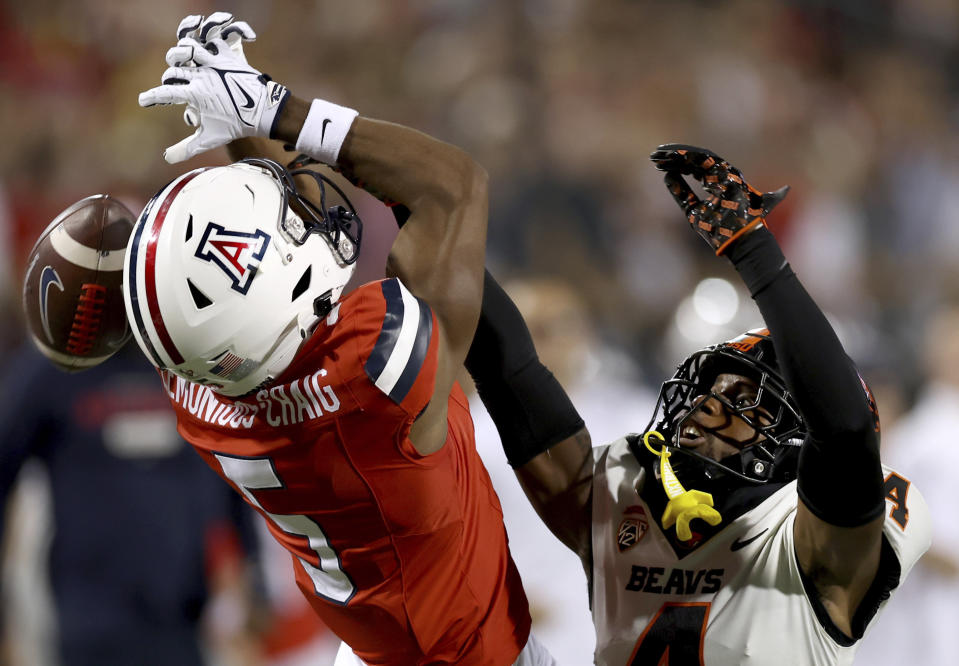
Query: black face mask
[
  {"x": 340, "y": 224},
  {"x": 732, "y": 497},
  {"x": 771, "y": 455},
  {"x": 755, "y": 464}
]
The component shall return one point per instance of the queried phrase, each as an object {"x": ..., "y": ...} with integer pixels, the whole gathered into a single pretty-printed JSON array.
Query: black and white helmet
[{"x": 773, "y": 453}]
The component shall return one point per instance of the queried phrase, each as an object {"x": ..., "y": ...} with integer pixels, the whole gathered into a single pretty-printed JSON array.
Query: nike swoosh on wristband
[
  {"x": 326, "y": 121},
  {"x": 742, "y": 543}
]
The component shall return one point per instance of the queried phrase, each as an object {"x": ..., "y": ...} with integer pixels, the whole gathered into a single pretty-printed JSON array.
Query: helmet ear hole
[
  {"x": 323, "y": 304},
  {"x": 302, "y": 284},
  {"x": 200, "y": 300}
]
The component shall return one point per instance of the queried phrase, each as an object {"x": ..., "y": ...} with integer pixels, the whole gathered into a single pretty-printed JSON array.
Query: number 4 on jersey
[
  {"x": 674, "y": 637},
  {"x": 897, "y": 488}
]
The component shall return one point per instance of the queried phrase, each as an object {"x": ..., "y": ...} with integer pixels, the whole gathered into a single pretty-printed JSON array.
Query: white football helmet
[{"x": 223, "y": 280}]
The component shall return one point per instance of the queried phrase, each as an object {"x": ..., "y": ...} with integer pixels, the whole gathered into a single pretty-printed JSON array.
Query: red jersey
[{"x": 404, "y": 557}]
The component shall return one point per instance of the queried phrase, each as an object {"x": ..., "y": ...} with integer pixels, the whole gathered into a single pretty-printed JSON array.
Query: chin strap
[{"x": 684, "y": 505}]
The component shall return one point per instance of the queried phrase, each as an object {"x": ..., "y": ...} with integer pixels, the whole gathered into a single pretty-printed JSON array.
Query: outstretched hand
[
  {"x": 226, "y": 97},
  {"x": 733, "y": 207}
]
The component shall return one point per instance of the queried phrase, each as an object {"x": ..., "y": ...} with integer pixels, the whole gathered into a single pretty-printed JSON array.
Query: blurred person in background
[
  {"x": 921, "y": 629},
  {"x": 140, "y": 538},
  {"x": 792, "y": 536},
  {"x": 603, "y": 385}
]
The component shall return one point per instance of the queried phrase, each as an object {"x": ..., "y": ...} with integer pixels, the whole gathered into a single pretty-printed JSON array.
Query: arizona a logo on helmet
[{"x": 237, "y": 254}]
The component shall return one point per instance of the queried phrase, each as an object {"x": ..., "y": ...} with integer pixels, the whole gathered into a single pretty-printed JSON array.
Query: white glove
[
  {"x": 231, "y": 98},
  {"x": 216, "y": 25}
]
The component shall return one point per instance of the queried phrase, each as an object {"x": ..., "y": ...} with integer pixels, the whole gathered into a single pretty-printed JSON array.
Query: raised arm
[
  {"x": 543, "y": 436},
  {"x": 838, "y": 526},
  {"x": 440, "y": 250},
  {"x": 438, "y": 253}
]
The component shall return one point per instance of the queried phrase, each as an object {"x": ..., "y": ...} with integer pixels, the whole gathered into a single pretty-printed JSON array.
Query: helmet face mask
[
  {"x": 342, "y": 228},
  {"x": 771, "y": 454},
  {"x": 222, "y": 278}
]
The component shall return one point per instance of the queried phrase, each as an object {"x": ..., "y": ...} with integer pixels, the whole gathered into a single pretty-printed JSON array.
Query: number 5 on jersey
[{"x": 329, "y": 580}]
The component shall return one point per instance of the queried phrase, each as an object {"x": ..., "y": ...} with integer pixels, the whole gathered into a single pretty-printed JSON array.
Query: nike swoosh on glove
[{"x": 231, "y": 98}]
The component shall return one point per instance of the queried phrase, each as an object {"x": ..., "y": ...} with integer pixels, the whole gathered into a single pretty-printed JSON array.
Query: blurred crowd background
[{"x": 854, "y": 103}]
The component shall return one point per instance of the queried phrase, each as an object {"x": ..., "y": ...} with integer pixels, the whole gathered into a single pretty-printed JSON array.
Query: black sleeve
[
  {"x": 840, "y": 478},
  {"x": 530, "y": 409}
]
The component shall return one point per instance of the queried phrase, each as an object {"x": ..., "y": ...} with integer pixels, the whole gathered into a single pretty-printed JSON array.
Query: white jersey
[{"x": 737, "y": 599}]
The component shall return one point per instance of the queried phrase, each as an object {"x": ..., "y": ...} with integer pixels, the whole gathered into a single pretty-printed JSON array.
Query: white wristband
[{"x": 325, "y": 130}]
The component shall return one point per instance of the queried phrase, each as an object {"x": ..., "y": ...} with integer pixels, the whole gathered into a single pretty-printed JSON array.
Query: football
[{"x": 73, "y": 287}]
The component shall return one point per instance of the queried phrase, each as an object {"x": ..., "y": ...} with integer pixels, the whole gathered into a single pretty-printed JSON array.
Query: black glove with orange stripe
[{"x": 733, "y": 207}]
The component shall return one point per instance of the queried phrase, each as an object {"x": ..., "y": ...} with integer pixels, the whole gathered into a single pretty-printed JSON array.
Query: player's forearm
[
  {"x": 814, "y": 363},
  {"x": 396, "y": 162},
  {"x": 528, "y": 405},
  {"x": 439, "y": 255},
  {"x": 542, "y": 434},
  {"x": 840, "y": 478},
  {"x": 407, "y": 166},
  {"x": 559, "y": 483}
]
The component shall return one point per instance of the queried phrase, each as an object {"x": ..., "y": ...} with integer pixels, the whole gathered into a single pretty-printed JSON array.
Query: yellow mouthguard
[{"x": 684, "y": 505}]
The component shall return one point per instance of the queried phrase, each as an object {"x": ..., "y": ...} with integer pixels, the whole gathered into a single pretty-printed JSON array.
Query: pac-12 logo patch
[
  {"x": 632, "y": 528},
  {"x": 237, "y": 254}
]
